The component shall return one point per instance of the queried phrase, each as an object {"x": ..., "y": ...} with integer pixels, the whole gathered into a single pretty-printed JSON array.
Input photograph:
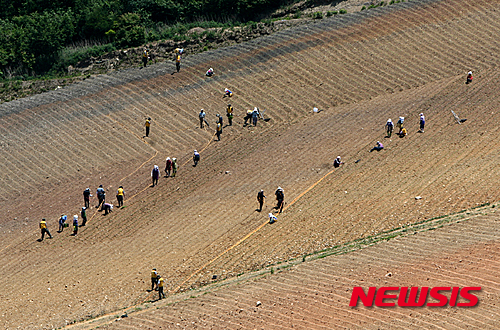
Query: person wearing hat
[
  {"x": 75, "y": 225},
  {"x": 145, "y": 56},
  {"x": 422, "y": 123},
  {"x": 219, "y": 130},
  {"x": 280, "y": 197},
  {"x": 220, "y": 120},
  {"x": 378, "y": 147},
  {"x": 469, "y": 77},
  {"x": 260, "y": 198},
  {"x": 229, "y": 114},
  {"x": 62, "y": 223},
  {"x": 148, "y": 125},
  {"x": 196, "y": 157},
  {"x": 174, "y": 167},
  {"x": 210, "y": 72},
  {"x": 155, "y": 175},
  {"x": 337, "y": 162},
  {"x": 44, "y": 229},
  {"x": 83, "y": 214},
  {"x": 399, "y": 124},
  {"x": 154, "y": 279},
  {"x": 390, "y": 127},
  {"x": 101, "y": 196},
  {"x": 161, "y": 284},
  {"x": 272, "y": 218},
  {"x": 120, "y": 194},
  {"x": 255, "y": 116},
  {"x": 227, "y": 93},
  {"x": 168, "y": 167},
  {"x": 106, "y": 207},
  {"x": 202, "y": 117},
  {"x": 86, "y": 197}
]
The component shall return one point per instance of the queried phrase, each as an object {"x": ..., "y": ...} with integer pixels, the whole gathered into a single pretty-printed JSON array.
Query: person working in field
[
  {"x": 44, "y": 229},
  {"x": 145, "y": 57},
  {"x": 178, "y": 62},
  {"x": 260, "y": 199},
  {"x": 422, "y": 123},
  {"x": 196, "y": 158},
  {"x": 229, "y": 111},
  {"x": 390, "y": 127},
  {"x": 168, "y": 167},
  {"x": 155, "y": 175},
  {"x": 469, "y": 77},
  {"x": 148, "y": 125},
  {"x": 120, "y": 195},
  {"x": 379, "y": 146},
  {"x": 337, "y": 162},
  {"x": 174, "y": 167},
  {"x": 280, "y": 197}
]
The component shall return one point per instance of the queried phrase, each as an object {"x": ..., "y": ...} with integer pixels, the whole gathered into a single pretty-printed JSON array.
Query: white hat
[
  {"x": 174, "y": 159},
  {"x": 338, "y": 157},
  {"x": 389, "y": 121},
  {"x": 75, "y": 217},
  {"x": 470, "y": 72},
  {"x": 168, "y": 158},
  {"x": 156, "y": 166},
  {"x": 194, "y": 150}
]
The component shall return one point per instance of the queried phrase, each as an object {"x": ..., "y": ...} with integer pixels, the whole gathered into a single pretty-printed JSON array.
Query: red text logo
[{"x": 415, "y": 297}]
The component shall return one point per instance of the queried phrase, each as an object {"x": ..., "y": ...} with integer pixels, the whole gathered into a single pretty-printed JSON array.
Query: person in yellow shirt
[
  {"x": 145, "y": 57},
  {"x": 229, "y": 115},
  {"x": 147, "y": 124},
  {"x": 178, "y": 62},
  {"x": 161, "y": 284},
  {"x": 154, "y": 279},
  {"x": 120, "y": 194},
  {"x": 44, "y": 229}
]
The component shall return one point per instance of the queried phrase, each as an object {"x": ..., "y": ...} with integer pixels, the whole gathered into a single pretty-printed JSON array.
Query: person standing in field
[
  {"x": 168, "y": 167},
  {"x": 154, "y": 279},
  {"x": 145, "y": 57},
  {"x": 62, "y": 223},
  {"x": 280, "y": 197},
  {"x": 174, "y": 167},
  {"x": 219, "y": 131},
  {"x": 155, "y": 175},
  {"x": 83, "y": 214},
  {"x": 390, "y": 127},
  {"x": 161, "y": 284},
  {"x": 44, "y": 229},
  {"x": 255, "y": 116},
  {"x": 101, "y": 196},
  {"x": 260, "y": 198},
  {"x": 177, "y": 58},
  {"x": 148, "y": 125},
  {"x": 422, "y": 123},
  {"x": 337, "y": 162},
  {"x": 202, "y": 117},
  {"x": 75, "y": 225},
  {"x": 229, "y": 114},
  {"x": 86, "y": 197},
  {"x": 120, "y": 195}
]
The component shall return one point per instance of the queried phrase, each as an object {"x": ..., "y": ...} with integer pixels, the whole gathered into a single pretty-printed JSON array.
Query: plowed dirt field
[{"x": 359, "y": 69}]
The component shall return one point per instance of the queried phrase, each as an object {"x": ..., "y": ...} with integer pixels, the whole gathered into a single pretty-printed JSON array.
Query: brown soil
[
  {"x": 359, "y": 69},
  {"x": 316, "y": 294}
]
